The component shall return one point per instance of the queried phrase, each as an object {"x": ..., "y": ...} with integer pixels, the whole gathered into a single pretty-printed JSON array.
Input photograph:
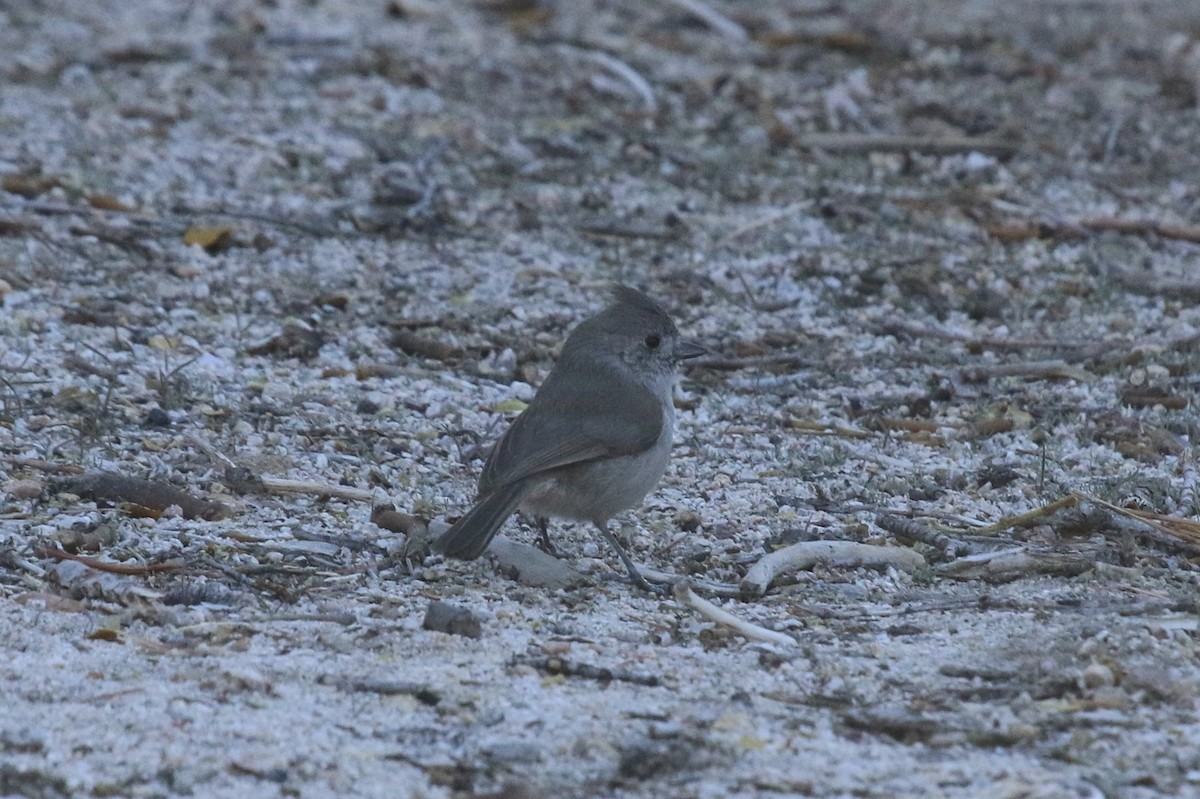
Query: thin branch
[
  {"x": 709, "y": 587},
  {"x": 1011, "y": 564},
  {"x": 920, "y": 331},
  {"x": 1081, "y": 226},
  {"x": 730, "y": 363},
  {"x": 910, "y": 530},
  {"x": 257, "y": 216},
  {"x": 1032, "y": 370},
  {"x": 764, "y": 221},
  {"x": 626, "y": 73},
  {"x": 747, "y": 629},
  {"x": 714, "y": 19},
  {"x": 568, "y": 668},
  {"x": 807, "y": 554},
  {"x": 1143, "y": 284},
  {"x": 882, "y": 142},
  {"x": 281, "y": 486},
  {"x": 108, "y": 565}
]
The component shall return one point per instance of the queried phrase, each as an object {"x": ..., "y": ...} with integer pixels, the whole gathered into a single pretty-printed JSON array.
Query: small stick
[
  {"x": 626, "y": 73},
  {"x": 344, "y": 619},
  {"x": 1024, "y": 519},
  {"x": 350, "y": 542},
  {"x": 709, "y": 587},
  {"x": 108, "y": 696},
  {"x": 912, "y": 530},
  {"x": 257, "y": 216},
  {"x": 209, "y": 450},
  {"x": 807, "y": 554},
  {"x": 755, "y": 362},
  {"x": 763, "y": 221},
  {"x": 1080, "y": 226},
  {"x": 1171, "y": 531},
  {"x": 13, "y": 227},
  {"x": 862, "y": 507},
  {"x": 1010, "y": 564},
  {"x": 1187, "y": 494},
  {"x": 114, "y": 487},
  {"x": 1144, "y": 227},
  {"x": 1034, "y": 370},
  {"x": 824, "y": 429},
  {"x": 714, "y": 19},
  {"x": 918, "y": 330},
  {"x": 125, "y": 238},
  {"x": 882, "y": 142},
  {"x": 282, "y": 486},
  {"x": 422, "y": 692},
  {"x": 567, "y": 668},
  {"x": 108, "y": 565},
  {"x": 749, "y": 630},
  {"x": 243, "y": 480},
  {"x": 623, "y": 230},
  {"x": 1139, "y": 284},
  {"x": 46, "y": 466}
]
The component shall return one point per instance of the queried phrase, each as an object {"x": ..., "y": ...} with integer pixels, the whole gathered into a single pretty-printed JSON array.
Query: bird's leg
[
  {"x": 547, "y": 546},
  {"x": 635, "y": 576}
]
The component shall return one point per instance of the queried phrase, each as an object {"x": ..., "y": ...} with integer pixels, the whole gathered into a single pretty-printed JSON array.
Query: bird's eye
[{"x": 653, "y": 340}]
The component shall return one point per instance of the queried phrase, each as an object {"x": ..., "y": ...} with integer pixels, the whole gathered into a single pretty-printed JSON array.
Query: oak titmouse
[{"x": 596, "y": 437}]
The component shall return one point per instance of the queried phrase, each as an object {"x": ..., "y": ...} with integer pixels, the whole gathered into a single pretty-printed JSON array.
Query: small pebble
[
  {"x": 23, "y": 489},
  {"x": 443, "y": 617},
  {"x": 1097, "y": 675},
  {"x": 157, "y": 417}
]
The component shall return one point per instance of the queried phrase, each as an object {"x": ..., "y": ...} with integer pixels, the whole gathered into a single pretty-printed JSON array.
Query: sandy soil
[{"x": 947, "y": 257}]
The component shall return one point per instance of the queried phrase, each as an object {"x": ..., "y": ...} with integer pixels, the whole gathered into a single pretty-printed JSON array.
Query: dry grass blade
[
  {"x": 1186, "y": 531},
  {"x": 1024, "y": 519},
  {"x": 885, "y": 143}
]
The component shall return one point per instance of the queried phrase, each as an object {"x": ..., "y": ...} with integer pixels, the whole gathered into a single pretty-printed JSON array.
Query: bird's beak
[{"x": 688, "y": 349}]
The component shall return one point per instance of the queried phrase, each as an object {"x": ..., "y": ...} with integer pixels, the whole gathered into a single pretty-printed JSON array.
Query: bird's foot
[{"x": 544, "y": 543}]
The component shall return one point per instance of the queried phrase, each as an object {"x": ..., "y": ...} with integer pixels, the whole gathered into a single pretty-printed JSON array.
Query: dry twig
[
  {"x": 764, "y": 221},
  {"x": 728, "y": 363},
  {"x": 920, "y": 331},
  {"x": 826, "y": 429},
  {"x": 1160, "y": 287},
  {"x": 714, "y": 19},
  {"x": 626, "y": 73},
  {"x": 882, "y": 142},
  {"x": 108, "y": 565},
  {"x": 1032, "y": 370},
  {"x": 248, "y": 483},
  {"x": 1171, "y": 531},
  {"x": 556, "y": 665},
  {"x": 1025, "y": 519},
  {"x": 807, "y": 554},
  {"x": 113, "y": 487},
  {"x": 1012, "y": 564},
  {"x": 909, "y": 530},
  {"x": 749, "y": 630}
]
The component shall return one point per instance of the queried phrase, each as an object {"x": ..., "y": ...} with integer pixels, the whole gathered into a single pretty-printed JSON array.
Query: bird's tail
[{"x": 468, "y": 537}]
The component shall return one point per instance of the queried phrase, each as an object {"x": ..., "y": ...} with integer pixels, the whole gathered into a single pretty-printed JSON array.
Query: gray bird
[{"x": 596, "y": 437}]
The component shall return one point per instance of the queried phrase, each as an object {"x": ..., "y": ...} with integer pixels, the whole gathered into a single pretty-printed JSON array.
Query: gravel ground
[{"x": 945, "y": 255}]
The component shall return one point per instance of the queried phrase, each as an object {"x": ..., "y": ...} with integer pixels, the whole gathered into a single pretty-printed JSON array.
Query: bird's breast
[{"x": 598, "y": 490}]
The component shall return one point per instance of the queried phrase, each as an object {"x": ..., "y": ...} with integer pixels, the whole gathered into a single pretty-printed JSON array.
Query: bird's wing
[{"x": 564, "y": 426}]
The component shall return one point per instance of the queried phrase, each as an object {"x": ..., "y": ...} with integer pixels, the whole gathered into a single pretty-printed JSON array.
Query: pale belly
[{"x": 599, "y": 490}]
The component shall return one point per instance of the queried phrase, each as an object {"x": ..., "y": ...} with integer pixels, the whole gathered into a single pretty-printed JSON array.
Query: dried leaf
[
  {"x": 295, "y": 339},
  {"x": 29, "y": 186},
  {"x": 107, "y": 202},
  {"x": 510, "y": 406},
  {"x": 212, "y": 239}
]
